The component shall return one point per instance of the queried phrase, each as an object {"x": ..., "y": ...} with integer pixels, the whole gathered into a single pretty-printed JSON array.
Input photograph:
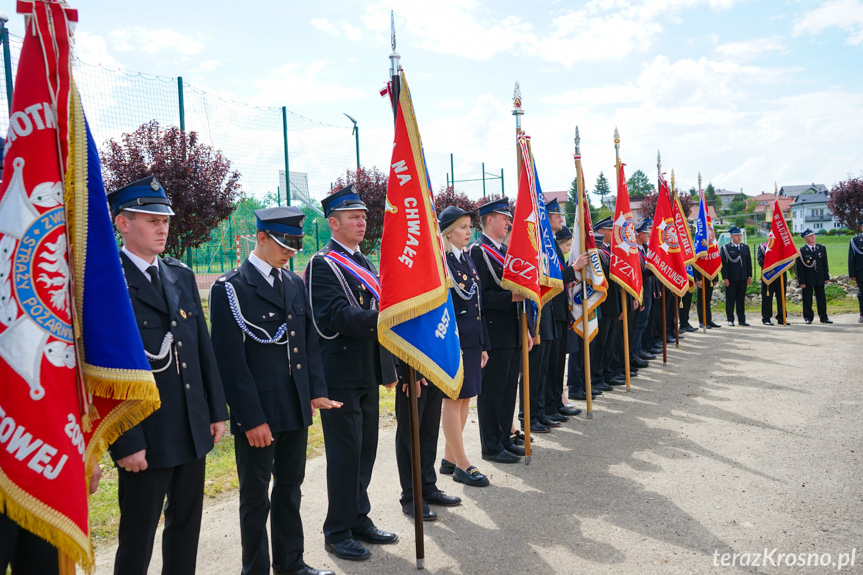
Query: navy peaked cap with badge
[
  {"x": 807, "y": 232},
  {"x": 284, "y": 224},
  {"x": 735, "y": 230},
  {"x": 604, "y": 224},
  {"x": 644, "y": 225},
  {"x": 145, "y": 195},
  {"x": 553, "y": 207},
  {"x": 500, "y": 206},
  {"x": 450, "y": 215},
  {"x": 344, "y": 199},
  {"x": 563, "y": 234}
]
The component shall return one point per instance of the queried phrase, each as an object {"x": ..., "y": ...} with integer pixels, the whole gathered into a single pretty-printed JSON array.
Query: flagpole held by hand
[{"x": 582, "y": 238}]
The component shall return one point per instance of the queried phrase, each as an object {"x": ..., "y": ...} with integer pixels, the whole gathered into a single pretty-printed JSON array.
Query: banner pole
[
  {"x": 782, "y": 287},
  {"x": 625, "y": 336},
  {"x": 585, "y": 321},
  {"x": 676, "y": 320},
  {"x": 412, "y": 375},
  {"x": 664, "y": 330},
  {"x": 518, "y": 112},
  {"x": 704, "y": 302}
]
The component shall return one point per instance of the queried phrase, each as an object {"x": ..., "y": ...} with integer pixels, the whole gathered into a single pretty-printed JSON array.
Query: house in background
[
  {"x": 809, "y": 209},
  {"x": 725, "y": 196},
  {"x": 764, "y": 208},
  {"x": 794, "y": 191},
  {"x": 634, "y": 204}
]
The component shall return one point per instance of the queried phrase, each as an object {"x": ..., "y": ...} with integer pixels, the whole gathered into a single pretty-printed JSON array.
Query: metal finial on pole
[
  {"x": 577, "y": 142},
  {"x": 616, "y": 142},
  {"x": 518, "y": 110},
  {"x": 672, "y": 182},
  {"x": 393, "y": 29},
  {"x": 699, "y": 181}
]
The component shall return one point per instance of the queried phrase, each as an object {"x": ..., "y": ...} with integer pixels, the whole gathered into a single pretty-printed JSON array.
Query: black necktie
[
  {"x": 155, "y": 280},
  {"x": 277, "y": 282},
  {"x": 358, "y": 257}
]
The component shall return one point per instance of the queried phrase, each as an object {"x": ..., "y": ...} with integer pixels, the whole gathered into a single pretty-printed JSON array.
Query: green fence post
[
  {"x": 452, "y": 170},
  {"x": 287, "y": 166},
  {"x": 182, "y": 104},
  {"x": 7, "y": 60},
  {"x": 317, "y": 237}
]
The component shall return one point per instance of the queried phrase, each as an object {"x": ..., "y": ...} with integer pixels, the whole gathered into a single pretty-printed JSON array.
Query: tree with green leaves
[
  {"x": 738, "y": 204},
  {"x": 639, "y": 185},
  {"x": 711, "y": 198},
  {"x": 602, "y": 188}
]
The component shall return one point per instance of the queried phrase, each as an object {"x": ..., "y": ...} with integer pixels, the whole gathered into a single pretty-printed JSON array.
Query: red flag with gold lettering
[
  {"x": 781, "y": 252},
  {"x": 664, "y": 252},
  {"x": 625, "y": 266}
]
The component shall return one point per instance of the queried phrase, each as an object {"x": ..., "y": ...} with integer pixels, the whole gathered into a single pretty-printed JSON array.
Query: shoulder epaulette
[
  {"x": 175, "y": 262},
  {"x": 229, "y": 275}
]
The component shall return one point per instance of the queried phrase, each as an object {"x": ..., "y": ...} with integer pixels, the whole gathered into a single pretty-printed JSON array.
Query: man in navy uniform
[
  {"x": 609, "y": 336},
  {"x": 644, "y": 313},
  {"x": 495, "y": 405},
  {"x": 855, "y": 267},
  {"x": 344, "y": 292},
  {"x": 268, "y": 355},
  {"x": 559, "y": 318},
  {"x": 165, "y": 454},
  {"x": 769, "y": 291},
  {"x": 736, "y": 275},
  {"x": 812, "y": 274}
]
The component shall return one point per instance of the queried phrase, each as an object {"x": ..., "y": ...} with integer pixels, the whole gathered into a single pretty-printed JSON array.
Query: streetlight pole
[
  {"x": 7, "y": 57},
  {"x": 356, "y": 134}
]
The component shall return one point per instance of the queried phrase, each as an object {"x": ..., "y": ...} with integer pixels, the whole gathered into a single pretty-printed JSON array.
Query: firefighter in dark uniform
[
  {"x": 812, "y": 274},
  {"x": 555, "y": 408},
  {"x": 771, "y": 290},
  {"x": 855, "y": 267},
  {"x": 496, "y": 402},
  {"x": 165, "y": 454},
  {"x": 609, "y": 319},
  {"x": 736, "y": 275},
  {"x": 644, "y": 314},
  {"x": 268, "y": 355},
  {"x": 344, "y": 291},
  {"x": 704, "y": 286}
]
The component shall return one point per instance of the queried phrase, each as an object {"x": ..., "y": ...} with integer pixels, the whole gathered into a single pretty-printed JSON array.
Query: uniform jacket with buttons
[
  {"x": 740, "y": 270},
  {"x": 354, "y": 359},
  {"x": 812, "y": 269},
  {"x": 501, "y": 314},
  {"x": 472, "y": 330},
  {"x": 855, "y": 258},
  {"x": 190, "y": 388},
  {"x": 266, "y": 383}
]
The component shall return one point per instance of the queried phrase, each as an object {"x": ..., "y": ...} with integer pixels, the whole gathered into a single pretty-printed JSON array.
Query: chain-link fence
[{"x": 262, "y": 143}]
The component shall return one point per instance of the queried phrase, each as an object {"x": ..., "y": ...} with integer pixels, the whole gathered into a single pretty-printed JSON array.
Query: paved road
[{"x": 749, "y": 438}]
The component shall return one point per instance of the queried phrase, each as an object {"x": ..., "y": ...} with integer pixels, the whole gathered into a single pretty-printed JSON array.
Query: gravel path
[{"x": 749, "y": 438}]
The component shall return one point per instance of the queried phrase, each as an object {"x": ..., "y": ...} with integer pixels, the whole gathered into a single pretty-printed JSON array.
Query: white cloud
[
  {"x": 341, "y": 28},
  {"x": 93, "y": 49},
  {"x": 155, "y": 41},
  {"x": 846, "y": 15},
  {"x": 210, "y": 64},
  {"x": 752, "y": 49},
  {"x": 299, "y": 84}
]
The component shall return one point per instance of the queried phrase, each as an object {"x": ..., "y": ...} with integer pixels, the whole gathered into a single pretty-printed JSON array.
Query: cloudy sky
[{"x": 745, "y": 92}]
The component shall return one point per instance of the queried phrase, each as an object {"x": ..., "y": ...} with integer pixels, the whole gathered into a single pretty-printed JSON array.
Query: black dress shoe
[
  {"x": 744, "y": 323},
  {"x": 539, "y": 428},
  {"x": 701, "y": 325},
  {"x": 504, "y": 456},
  {"x": 348, "y": 549},
  {"x": 557, "y": 417},
  {"x": 428, "y": 514},
  {"x": 446, "y": 467},
  {"x": 657, "y": 350},
  {"x": 808, "y": 321},
  {"x": 671, "y": 339},
  {"x": 582, "y": 396},
  {"x": 514, "y": 449},
  {"x": 306, "y": 570},
  {"x": 470, "y": 477},
  {"x": 826, "y": 321},
  {"x": 376, "y": 536},
  {"x": 713, "y": 324},
  {"x": 638, "y": 362},
  {"x": 442, "y": 499},
  {"x": 602, "y": 386},
  {"x": 766, "y": 322},
  {"x": 548, "y": 422},
  {"x": 645, "y": 355},
  {"x": 569, "y": 410}
]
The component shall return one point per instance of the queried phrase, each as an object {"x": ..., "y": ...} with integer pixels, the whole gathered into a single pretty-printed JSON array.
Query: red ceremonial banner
[
  {"x": 55, "y": 377},
  {"x": 521, "y": 267},
  {"x": 664, "y": 251},
  {"x": 625, "y": 267},
  {"x": 683, "y": 234},
  {"x": 780, "y": 247}
]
